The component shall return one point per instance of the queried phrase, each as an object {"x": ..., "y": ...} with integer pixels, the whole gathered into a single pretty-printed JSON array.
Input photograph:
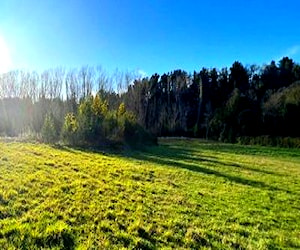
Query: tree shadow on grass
[
  {"x": 213, "y": 161},
  {"x": 252, "y": 150},
  {"x": 192, "y": 155},
  {"x": 220, "y": 147},
  {"x": 181, "y": 158}
]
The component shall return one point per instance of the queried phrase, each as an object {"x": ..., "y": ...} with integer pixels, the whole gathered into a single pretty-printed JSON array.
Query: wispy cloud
[
  {"x": 5, "y": 57},
  {"x": 295, "y": 50},
  {"x": 289, "y": 52},
  {"x": 141, "y": 73}
]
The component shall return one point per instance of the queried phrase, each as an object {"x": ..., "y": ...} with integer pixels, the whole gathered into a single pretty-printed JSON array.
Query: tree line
[
  {"x": 229, "y": 104},
  {"x": 79, "y": 106}
]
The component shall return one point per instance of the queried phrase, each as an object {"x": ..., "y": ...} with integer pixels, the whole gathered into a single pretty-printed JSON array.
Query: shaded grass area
[{"x": 180, "y": 194}]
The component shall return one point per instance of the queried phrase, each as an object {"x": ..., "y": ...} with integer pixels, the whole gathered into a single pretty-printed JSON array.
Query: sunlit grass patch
[{"x": 180, "y": 194}]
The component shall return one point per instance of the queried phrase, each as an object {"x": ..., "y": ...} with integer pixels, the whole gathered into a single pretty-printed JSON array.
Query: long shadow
[
  {"x": 220, "y": 147},
  {"x": 253, "y": 150},
  {"x": 180, "y": 153},
  {"x": 231, "y": 164},
  {"x": 173, "y": 158}
]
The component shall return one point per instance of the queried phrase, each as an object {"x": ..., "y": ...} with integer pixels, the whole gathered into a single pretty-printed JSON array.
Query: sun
[{"x": 5, "y": 58}]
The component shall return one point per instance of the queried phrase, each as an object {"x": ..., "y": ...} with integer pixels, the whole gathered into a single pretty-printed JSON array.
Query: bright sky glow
[
  {"x": 153, "y": 36},
  {"x": 5, "y": 58}
]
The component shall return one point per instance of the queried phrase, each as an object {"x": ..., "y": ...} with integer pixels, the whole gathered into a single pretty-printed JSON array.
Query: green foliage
[
  {"x": 95, "y": 125},
  {"x": 126, "y": 122},
  {"x": 182, "y": 194},
  {"x": 70, "y": 128},
  {"x": 224, "y": 122},
  {"x": 239, "y": 76},
  {"x": 281, "y": 111},
  {"x": 91, "y": 114},
  {"x": 221, "y": 104},
  {"x": 121, "y": 109},
  {"x": 85, "y": 119},
  {"x": 286, "y": 142},
  {"x": 110, "y": 125},
  {"x": 48, "y": 132},
  {"x": 99, "y": 107}
]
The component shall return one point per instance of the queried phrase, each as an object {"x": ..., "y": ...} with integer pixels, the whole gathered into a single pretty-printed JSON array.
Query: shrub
[
  {"x": 266, "y": 140},
  {"x": 110, "y": 125},
  {"x": 94, "y": 125},
  {"x": 48, "y": 132},
  {"x": 70, "y": 128},
  {"x": 130, "y": 132}
]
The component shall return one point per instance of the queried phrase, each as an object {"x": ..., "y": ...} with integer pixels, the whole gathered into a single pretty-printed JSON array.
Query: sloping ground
[{"x": 181, "y": 194}]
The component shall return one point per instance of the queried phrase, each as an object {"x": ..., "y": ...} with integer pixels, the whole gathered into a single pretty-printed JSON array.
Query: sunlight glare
[{"x": 5, "y": 58}]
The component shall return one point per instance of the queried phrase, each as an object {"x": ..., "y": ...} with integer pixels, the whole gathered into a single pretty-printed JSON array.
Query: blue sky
[{"x": 150, "y": 35}]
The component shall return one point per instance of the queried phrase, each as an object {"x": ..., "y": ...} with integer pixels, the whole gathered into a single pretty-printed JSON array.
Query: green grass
[{"x": 182, "y": 194}]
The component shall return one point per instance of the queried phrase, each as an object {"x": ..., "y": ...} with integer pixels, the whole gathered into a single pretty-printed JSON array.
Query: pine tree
[{"x": 49, "y": 134}]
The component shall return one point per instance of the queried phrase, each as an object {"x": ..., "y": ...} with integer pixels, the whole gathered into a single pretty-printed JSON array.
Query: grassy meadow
[{"x": 182, "y": 194}]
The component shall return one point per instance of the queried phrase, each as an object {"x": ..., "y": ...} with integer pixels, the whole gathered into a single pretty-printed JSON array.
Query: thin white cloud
[
  {"x": 290, "y": 52},
  {"x": 295, "y": 50},
  {"x": 141, "y": 73},
  {"x": 5, "y": 56}
]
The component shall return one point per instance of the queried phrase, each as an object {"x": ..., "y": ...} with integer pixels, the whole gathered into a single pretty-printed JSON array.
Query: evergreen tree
[{"x": 48, "y": 132}]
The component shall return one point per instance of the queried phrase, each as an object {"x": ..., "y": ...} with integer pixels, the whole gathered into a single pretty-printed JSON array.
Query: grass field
[{"x": 182, "y": 194}]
